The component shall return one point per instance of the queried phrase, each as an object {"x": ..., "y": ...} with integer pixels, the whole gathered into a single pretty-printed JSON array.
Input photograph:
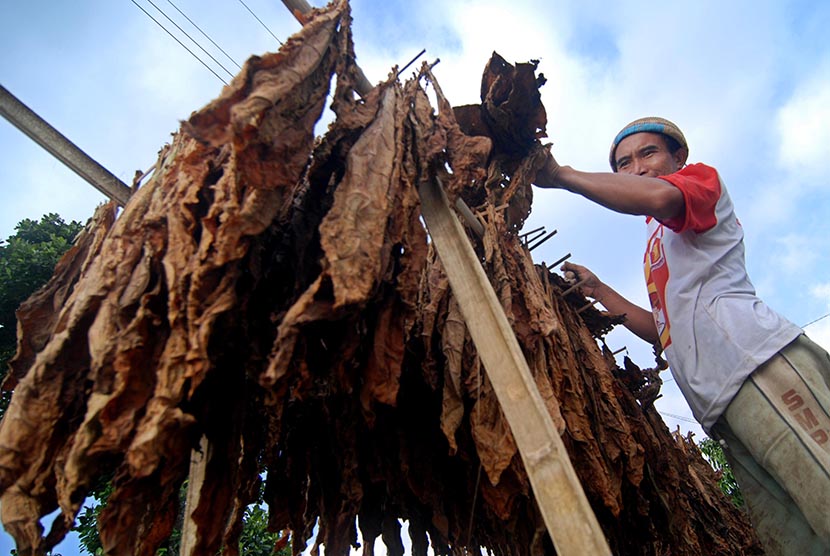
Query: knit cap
[{"x": 651, "y": 124}]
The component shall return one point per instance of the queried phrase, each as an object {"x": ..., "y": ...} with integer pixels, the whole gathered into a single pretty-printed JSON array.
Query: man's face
[{"x": 646, "y": 154}]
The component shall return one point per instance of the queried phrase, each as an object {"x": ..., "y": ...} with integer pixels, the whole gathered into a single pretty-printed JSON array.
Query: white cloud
[
  {"x": 820, "y": 333},
  {"x": 719, "y": 69},
  {"x": 38, "y": 184},
  {"x": 804, "y": 127},
  {"x": 797, "y": 252},
  {"x": 819, "y": 329},
  {"x": 822, "y": 293},
  {"x": 769, "y": 204}
]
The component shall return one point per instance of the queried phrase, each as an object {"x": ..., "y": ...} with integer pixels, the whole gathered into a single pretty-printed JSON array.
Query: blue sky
[{"x": 747, "y": 81}]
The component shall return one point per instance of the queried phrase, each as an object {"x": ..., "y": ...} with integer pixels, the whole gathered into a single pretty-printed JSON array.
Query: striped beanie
[{"x": 650, "y": 125}]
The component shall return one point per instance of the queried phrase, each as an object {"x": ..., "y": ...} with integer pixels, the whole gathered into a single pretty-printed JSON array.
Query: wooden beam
[
  {"x": 196, "y": 479},
  {"x": 568, "y": 516},
  {"x": 39, "y": 130},
  {"x": 571, "y": 522},
  {"x": 299, "y": 9}
]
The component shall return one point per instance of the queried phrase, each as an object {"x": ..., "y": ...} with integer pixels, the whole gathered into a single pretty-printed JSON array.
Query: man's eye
[{"x": 622, "y": 164}]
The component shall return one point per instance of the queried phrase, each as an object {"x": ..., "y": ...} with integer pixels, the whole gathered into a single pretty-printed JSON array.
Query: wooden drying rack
[{"x": 570, "y": 521}]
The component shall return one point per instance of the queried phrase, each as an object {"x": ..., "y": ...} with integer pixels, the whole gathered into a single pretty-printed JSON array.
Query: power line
[
  {"x": 260, "y": 21},
  {"x": 191, "y": 38},
  {"x": 815, "y": 321},
  {"x": 205, "y": 34},
  {"x": 180, "y": 42},
  {"x": 803, "y": 326},
  {"x": 680, "y": 417}
]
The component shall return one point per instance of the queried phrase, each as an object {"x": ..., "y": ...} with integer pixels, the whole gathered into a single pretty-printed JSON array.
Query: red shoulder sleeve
[{"x": 700, "y": 186}]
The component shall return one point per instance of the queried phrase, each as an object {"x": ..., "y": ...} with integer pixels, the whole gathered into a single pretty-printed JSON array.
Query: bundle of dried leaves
[{"x": 280, "y": 298}]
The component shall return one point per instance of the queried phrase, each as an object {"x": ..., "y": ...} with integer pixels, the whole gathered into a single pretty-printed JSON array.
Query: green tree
[
  {"x": 717, "y": 459},
  {"x": 27, "y": 261},
  {"x": 255, "y": 539}
]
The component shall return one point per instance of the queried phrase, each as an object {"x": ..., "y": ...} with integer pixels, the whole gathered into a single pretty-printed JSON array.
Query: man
[{"x": 752, "y": 379}]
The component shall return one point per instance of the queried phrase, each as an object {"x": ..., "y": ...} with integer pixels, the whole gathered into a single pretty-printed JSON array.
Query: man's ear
[{"x": 680, "y": 156}]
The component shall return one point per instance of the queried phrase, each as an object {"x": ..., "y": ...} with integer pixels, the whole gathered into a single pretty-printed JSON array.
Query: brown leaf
[{"x": 279, "y": 297}]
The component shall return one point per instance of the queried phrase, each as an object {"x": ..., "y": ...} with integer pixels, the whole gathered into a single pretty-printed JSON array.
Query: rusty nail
[
  {"x": 412, "y": 61},
  {"x": 572, "y": 288},
  {"x": 591, "y": 304},
  {"x": 535, "y": 230},
  {"x": 541, "y": 241},
  {"x": 560, "y": 261}
]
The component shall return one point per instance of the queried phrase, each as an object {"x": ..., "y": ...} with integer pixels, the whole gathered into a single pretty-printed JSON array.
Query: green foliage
[
  {"x": 255, "y": 539},
  {"x": 27, "y": 261},
  {"x": 717, "y": 459},
  {"x": 87, "y": 522}
]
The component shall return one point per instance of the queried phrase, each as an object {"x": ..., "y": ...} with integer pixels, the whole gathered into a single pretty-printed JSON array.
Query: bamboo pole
[
  {"x": 571, "y": 522},
  {"x": 196, "y": 479},
  {"x": 572, "y": 525},
  {"x": 39, "y": 130},
  {"x": 299, "y": 9},
  {"x": 568, "y": 516}
]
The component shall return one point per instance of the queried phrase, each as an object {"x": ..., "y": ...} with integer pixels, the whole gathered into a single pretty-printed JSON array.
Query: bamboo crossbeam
[
  {"x": 299, "y": 9},
  {"x": 39, "y": 130},
  {"x": 572, "y": 525}
]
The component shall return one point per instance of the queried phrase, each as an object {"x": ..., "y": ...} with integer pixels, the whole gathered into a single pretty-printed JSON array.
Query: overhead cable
[
  {"x": 260, "y": 21},
  {"x": 180, "y": 42},
  {"x": 222, "y": 50},
  {"x": 815, "y": 321},
  {"x": 191, "y": 38},
  {"x": 680, "y": 417}
]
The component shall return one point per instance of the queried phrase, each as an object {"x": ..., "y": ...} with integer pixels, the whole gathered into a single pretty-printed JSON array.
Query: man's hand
[
  {"x": 546, "y": 177},
  {"x": 592, "y": 283},
  {"x": 637, "y": 319}
]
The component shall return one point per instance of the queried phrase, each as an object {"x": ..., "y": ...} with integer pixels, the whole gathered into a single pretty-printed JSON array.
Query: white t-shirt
[{"x": 713, "y": 328}]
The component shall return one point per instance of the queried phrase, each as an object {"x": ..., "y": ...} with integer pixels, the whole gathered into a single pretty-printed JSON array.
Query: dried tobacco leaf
[{"x": 280, "y": 299}]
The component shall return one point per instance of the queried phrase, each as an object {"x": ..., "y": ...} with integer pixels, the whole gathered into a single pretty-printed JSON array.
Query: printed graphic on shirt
[{"x": 657, "y": 275}]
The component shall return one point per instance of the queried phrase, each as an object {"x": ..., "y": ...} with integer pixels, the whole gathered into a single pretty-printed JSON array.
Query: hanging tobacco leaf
[{"x": 279, "y": 298}]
